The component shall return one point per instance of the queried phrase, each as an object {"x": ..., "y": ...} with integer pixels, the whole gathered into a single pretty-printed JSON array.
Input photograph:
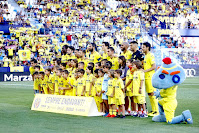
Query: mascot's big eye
[
  {"x": 176, "y": 79},
  {"x": 161, "y": 76}
]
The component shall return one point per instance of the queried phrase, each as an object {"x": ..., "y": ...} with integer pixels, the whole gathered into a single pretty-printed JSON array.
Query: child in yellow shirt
[
  {"x": 42, "y": 84},
  {"x": 36, "y": 83},
  {"x": 50, "y": 81},
  {"x": 73, "y": 82},
  {"x": 99, "y": 74},
  {"x": 81, "y": 83},
  {"x": 74, "y": 64},
  {"x": 111, "y": 94},
  {"x": 119, "y": 93},
  {"x": 138, "y": 88},
  {"x": 67, "y": 87},
  {"x": 69, "y": 67},
  {"x": 89, "y": 81},
  {"x": 59, "y": 82},
  {"x": 55, "y": 77},
  {"x": 128, "y": 86}
]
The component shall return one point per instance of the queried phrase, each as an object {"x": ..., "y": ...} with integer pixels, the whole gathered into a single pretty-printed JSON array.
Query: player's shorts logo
[
  {"x": 190, "y": 72},
  {"x": 37, "y": 102}
]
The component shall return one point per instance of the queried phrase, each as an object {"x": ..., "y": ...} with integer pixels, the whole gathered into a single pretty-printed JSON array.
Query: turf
[{"x": 16, "y": 116}]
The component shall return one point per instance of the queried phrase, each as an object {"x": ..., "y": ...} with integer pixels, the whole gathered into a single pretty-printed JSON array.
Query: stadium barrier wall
[
  {"x": 4, "y": 69},
  {"x": 15, "y": 76},
  {"x": 5, "y": 27},
  {"x": 15, "y": 69},
  {"x": 191, "y": 70}
]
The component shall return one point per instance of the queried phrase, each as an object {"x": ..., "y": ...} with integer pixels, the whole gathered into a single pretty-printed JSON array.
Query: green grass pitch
[{"x": 16, "y": 116}]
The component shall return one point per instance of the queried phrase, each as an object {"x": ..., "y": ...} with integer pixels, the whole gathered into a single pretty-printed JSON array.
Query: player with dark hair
[
  {"x": 149, "y": 70},
  {"x": 92, "y": 54},
  {"x": 112, "y": 58},
  {"x": 137, "y": 55}
]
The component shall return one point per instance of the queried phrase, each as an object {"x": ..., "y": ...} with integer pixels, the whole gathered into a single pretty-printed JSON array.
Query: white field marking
[
  {"x": 190, "y": 84},
  {"x": 17, "y": 84}
]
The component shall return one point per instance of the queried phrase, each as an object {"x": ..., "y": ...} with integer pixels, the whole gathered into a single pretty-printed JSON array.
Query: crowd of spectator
[
  {"x": 7, "y": 11},
  {"x": 80, "y": 23},
  {"x": 186, "y": 57}
]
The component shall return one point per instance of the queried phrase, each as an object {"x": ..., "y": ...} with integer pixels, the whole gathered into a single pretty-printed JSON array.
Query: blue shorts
[{"x": 36, "y": 91}]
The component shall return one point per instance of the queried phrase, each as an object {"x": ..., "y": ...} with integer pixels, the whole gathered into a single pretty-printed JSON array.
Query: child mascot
[{"x": 166, "y": 79}]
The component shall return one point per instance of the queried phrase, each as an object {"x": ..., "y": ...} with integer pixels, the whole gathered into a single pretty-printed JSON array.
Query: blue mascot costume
[{"x": 166, "y": 79}]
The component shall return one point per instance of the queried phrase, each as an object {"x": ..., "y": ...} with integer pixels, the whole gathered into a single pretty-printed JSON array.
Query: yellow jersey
[
  {"x": 129, "y": 76},
  {"x": 5, "y": 62},
  {"x": 66, "y": 84},
  {"x": 104, "y": 56},
  {"x": 149, "y": 60},
  {"x": 71, "y": 57},
  {"x": 110, "y": 87},
  {"x": 64, "y": 58},
  {"x": 56, "y": 85},
  {"x": 32, "y": 70},
  {"x": 10, "y": 52},
  {"x": 98, "y": 84},
  {"x": 138, "y": 76},
  {"x": 89, "y": 80},
  {"x": 41, "y": 84},
  {"x": 70, "y": 69},
  {"x": 74, "y": 82},
  {"x": 95, "y": 57},
  {"x": 36, "y": 83},
  {"x": 81, "y": 82},
  {"x": 50, "y": 82},
  {"x": 60, "y": 83},
  {"x": 73, "y": 72},
  {"x": 114, "y": 61},
  {"x": 127, "y": 55},
  {"x": 169, "y": 94},
  {"x": 119, "y": 85},
  {"x": 44, "y": 84}
]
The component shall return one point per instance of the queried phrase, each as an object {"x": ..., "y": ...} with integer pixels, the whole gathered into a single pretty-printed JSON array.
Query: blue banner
[
  {"x": 7, "y": 69},
  {"x": 5, "y": 27},
  {"x": 15, "y": 76},
  {"x": 191, "y": 70},
  {"x": 4, "y": 69},
  {"x": 183, "y": 32},
  {"x": 189, "y": 32}
]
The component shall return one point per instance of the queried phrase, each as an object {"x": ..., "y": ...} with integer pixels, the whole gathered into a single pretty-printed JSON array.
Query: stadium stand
[{"x": 43, "y": 27}]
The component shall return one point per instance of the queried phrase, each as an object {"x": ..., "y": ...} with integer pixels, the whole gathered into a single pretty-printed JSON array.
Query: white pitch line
[
  {"x": 189, "y": 84},
  {"x": 17, "y": 84}
]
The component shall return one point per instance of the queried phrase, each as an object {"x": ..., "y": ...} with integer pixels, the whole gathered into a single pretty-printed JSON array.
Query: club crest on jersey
[{"x": 24, "y": 54}]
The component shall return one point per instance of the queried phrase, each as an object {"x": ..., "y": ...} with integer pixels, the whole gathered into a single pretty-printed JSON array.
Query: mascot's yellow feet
[{"x": 153, "y": 113}]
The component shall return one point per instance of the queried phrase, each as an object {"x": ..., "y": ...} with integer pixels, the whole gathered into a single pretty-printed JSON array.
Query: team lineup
[{"x": 114, "y": 82}]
